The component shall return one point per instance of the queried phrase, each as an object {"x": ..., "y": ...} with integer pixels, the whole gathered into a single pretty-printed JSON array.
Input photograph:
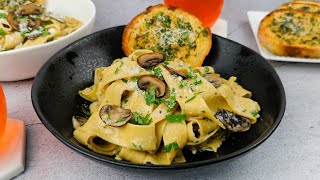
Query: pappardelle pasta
[
  {"x": 27, "y": 23},
  {"x": 146, "y": 110}
]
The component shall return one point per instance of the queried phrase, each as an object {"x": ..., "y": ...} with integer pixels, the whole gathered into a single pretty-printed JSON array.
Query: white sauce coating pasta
[
  {"x": 183, "y": 118},
  {"x": 27, "y": 23}
]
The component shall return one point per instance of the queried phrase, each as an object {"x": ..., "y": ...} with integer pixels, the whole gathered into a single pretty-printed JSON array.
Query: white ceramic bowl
[{"x": 24, "y": 63}]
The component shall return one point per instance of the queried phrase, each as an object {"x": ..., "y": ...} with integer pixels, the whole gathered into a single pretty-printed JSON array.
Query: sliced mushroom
[
  {"x": 78, "y": 121},
  {"x": 114, "y": 115},
  {"x": 34, "y": 23},
  {"x": 195, "y": 129},
  {"x": 150, "y": 59},
  {"x": 214, "y": 79},
  {"x": 233, "y": 122},
  {"x": 12, "y": 21},
  {"x": 30, "y": 9},
  {"x": 145, "y": 82},
  {"x": 177, "y": 72}
]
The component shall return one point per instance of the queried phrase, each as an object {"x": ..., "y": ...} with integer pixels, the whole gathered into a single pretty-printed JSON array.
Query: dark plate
[{"x": 55, "y": 92}]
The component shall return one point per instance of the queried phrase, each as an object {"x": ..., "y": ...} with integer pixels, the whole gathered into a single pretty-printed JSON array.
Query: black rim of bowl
[{"x": 101, "y": 158}]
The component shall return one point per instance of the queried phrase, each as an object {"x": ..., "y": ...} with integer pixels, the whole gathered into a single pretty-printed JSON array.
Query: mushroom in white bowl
[{"x": 23, "y": 63}]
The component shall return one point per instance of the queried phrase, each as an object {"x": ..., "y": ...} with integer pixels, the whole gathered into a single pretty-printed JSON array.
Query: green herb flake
[
  {"x": 182, "y": 84},
  {"x": 2, "y": 32},
  {"x": 118, "y": 68},
  {"x": 171, "y": 102},
  {"x": 169, "y": 147},
  {"x": 165, "y": 19},
  {"x": 85, "y": 110},
  {"x": 255, "y": 113},
  {"x": 45, "y": 33},
  {"x": 206, "y": 69},
  {"x": 140, "y": 119},
  {"x": 196, "y": 93},
  {"x": 157, "y": 72},
  {"x": 137, "y": 147},
  {"x": 166, "y": 62},
  {"x": 120, "y": 120},
  {"x": 197, "y": 82},
  {"x": 190, "y": 99},
  {"x": 150, "y": 96},
  {"x": 176, "y": 118},
  {"x": 204, "y": 33},
  {"x": 191, "y": 73},
  {"x": 3, "y": 15},
  {"x": 135, "y": 79},
  {"x": 193, "y": 97}
]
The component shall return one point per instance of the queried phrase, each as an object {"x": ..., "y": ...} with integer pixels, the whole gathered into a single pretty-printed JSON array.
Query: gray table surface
[{"x": 292, "y": 152}]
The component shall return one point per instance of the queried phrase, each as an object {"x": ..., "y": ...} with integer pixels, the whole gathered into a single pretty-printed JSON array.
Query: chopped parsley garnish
[
  {"x": 2, "y": 32},
  {"x": 3, "y": 15},
  {"x": 193, "y": 97},
  {"x": 183, "y": 25},
  {"x": 166, "y": 62},
  {"x": 85, "y": 110},
  {"x": 206, "y": 69},
  {"x": 149, "y": 22},
  {"x": 150, "y": 96},
  {"x": 197, "y": 82},
  {"x": 118, "y": 68},
  {"x": 171, "y": 102},
  {"x": 140, "y": 119},
  {"x": 165, "y": 19},
  {"x": 176, "y": 118},
  {"x": 204, "y": 33},
  {"x": 255, "y": 113},
  {"x": 182, "y": 84},
  {"x": 137, "y": 147},
  {"x": 157, "y": 72},
  {"x": 173, "y": 145},
  {"x": 45, "y": 33},
  {"x": 191, "y": 73},
  {"x": 190, "y": 99},
  {"x": 135, "y": 79},
  {"x": 120, "y": 120}
]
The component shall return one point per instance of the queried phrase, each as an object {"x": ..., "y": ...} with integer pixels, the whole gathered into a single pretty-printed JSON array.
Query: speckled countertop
[{"x": 292, "y": 152}]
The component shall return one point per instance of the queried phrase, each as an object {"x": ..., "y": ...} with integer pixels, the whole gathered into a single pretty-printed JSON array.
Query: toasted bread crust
[
  {"x": 136, "y": 27},
  {"x": 302, "y": 6},
  {"x": 286, "y": 43}
]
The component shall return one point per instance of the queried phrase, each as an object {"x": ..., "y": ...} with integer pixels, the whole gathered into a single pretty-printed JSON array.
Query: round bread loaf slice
[
  {"x": 302, "y": 6},
  {"x": 291, "y": 33},
  {"x": 169, "y": 30}
]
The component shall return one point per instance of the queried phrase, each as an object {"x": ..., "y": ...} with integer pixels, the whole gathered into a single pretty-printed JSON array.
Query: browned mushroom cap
[
  {"x": 30, "y": 9},
  {"x": 177, "y": 72},
  {"x": 214, "y": 79},
  {"x": 114, "y": 115},
  {"x": 233, "y": 122},
  {"x": 78, "y": 121},
  {"x": 150, "y": 59},
  {"x": 34, "y": 23},
  {"x": 12, "y": 21},
  {"x": 145, "y": 82}
]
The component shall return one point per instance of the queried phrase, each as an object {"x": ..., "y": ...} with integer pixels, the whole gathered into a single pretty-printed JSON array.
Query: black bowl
[{"x": 55, "y": 92}]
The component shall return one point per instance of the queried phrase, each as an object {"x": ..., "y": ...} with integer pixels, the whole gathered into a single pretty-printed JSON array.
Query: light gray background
[{"x": 292, "y": 152}]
